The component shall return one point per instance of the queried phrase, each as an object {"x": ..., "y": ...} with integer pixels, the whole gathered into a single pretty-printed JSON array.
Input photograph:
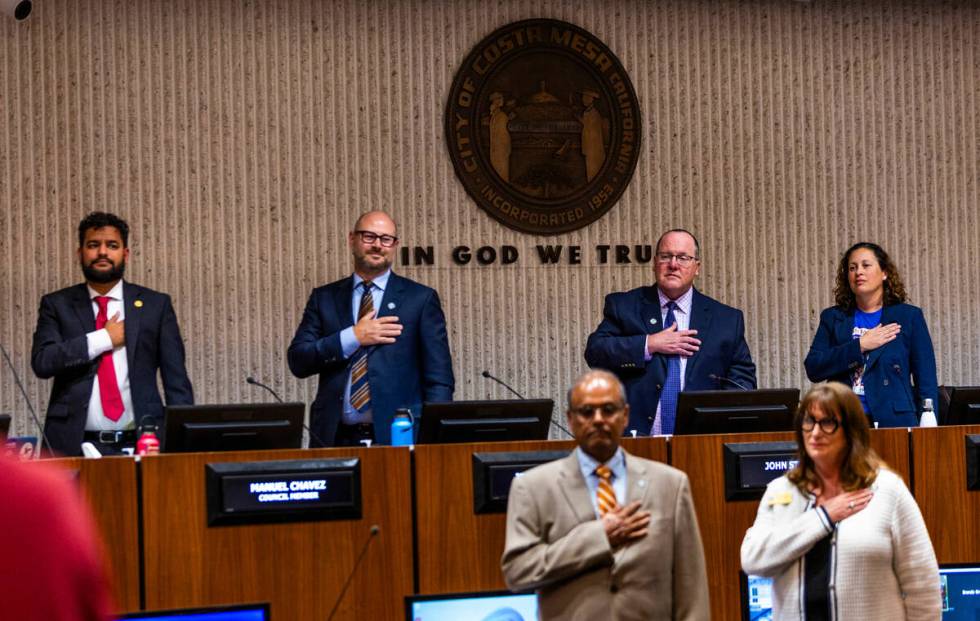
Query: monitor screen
[
  {"x": 485, "y": 421},
  {"x": 488, "y": 606},
  {"x": 959, "y": 405},
  {"x": 736, "y": 411},
  {"x": 960, "y": 586},
  {"x": 249, "y": 612},
  {"x": 235, "y": 427},
  {"x": 756, "y": 598}
]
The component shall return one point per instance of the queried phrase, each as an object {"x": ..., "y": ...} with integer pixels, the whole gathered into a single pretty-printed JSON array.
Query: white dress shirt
[{"x": 99, "y": 342}]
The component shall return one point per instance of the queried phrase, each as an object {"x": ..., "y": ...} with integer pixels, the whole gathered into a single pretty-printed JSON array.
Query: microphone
[
  {"x": 254, "y": 382},
  {"x": 487, "y": 375},
  {"x": 43, "y": 439},
  {"x": 721, "y": 379},
  {"x": 372, "y": 533}
]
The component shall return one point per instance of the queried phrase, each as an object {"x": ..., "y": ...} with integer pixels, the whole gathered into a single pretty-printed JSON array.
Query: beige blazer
[{"x": 557, "y": 546}]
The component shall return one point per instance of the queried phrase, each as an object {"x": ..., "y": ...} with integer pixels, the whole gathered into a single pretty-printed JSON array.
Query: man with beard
[
  {"x": 377, "y": 341},
  {"x": 103, "y": 342},
  {"x": 602, "y": 534}
]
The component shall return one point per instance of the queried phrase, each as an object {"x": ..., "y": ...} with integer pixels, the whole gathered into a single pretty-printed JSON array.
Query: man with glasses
[
  {"x": 670, "y": 337},
  {"x": 602, "y": 534},
  {"x": 377, "y": 341}
]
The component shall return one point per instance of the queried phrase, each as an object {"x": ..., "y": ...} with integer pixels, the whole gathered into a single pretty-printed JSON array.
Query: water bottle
[
  {"x": 401, "y": 428},
  {"x": 148, "y": 443},
  {"x": 928, "y": 418}
]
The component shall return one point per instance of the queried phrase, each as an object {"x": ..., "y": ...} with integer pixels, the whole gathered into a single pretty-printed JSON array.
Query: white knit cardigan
[{"x": 882, "y": 565}]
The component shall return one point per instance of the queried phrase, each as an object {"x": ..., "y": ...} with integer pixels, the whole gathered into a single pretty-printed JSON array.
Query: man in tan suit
[{"x": 602, "y": 534}]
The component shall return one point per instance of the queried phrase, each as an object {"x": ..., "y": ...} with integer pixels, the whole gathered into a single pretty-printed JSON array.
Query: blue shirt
[
  {"x": 348, "y": 342},
  {"x": 862, "y": 323},
  {"x": 617, "y": 463}
]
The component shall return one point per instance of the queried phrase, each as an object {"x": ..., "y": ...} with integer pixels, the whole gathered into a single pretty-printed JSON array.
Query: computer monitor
[
  {"x": 485, "y": 421},
  {"x": 485, "y": 606},
  {"x": 960, "y": 586},
  {"x": 236, "y": 427},
  {"x": 4, "y": 426},
  {"x": 959, "y": 405},
  {"x": 246, "y": 612},
  {"x": 756, "y": 598},
  {"x": 736, "y": 411}
]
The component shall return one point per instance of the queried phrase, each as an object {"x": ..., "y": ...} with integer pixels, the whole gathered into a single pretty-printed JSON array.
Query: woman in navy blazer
[{"x": 873, "y": 341}]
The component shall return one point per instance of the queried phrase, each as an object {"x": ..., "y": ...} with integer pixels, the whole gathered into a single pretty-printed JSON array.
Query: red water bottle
[{"x": 148, "y": 444}]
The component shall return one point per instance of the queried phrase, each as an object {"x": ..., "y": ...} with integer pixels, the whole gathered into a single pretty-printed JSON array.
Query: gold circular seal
[{"x": 543, "y": 126}]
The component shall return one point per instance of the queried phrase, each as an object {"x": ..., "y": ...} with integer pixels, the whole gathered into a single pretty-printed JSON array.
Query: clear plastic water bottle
[
  {"x": 401, "y": 428},
  {"x": 928, "y": 418}
]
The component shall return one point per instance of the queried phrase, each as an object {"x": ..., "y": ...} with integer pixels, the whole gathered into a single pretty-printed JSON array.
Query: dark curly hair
[
  {"x": 894, "y": 289},
  {"x": 99, "y": 219},
  {"x": 861, "y": 462}
]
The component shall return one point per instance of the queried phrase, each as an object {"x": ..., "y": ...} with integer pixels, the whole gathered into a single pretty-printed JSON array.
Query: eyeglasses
[
  {"x": 607, "y": 410},
  {"x": 827, "y": 425},
  {"x": 369, "y": 238},
  {"x": 683, "y": 260}
]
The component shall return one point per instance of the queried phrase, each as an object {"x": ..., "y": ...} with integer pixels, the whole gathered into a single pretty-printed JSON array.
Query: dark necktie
[{"x": 672, "y": 385}]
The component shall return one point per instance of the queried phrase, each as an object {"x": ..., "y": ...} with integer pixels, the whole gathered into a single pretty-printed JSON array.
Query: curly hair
[
  {"x": 894, "y": 289},
  {"x": 99, "y": 219},
  {"x": 861, "y": 463}
]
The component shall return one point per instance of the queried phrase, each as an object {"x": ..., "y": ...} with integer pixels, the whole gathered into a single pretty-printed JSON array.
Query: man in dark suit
[
  {"x": 377, "y": 341},
  {"x": 666, "y": 338},
  {"x": 103, "y": 342}
]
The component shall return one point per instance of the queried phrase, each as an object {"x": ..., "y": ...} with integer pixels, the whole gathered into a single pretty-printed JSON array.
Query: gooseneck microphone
[
  {"x": 43, "y": 439},
  {"x": 254, "y": 382},
  {"x": 372, "y": 533},
  {"x": 721, "y": 379},
  {"x": 487, "y": 375}
]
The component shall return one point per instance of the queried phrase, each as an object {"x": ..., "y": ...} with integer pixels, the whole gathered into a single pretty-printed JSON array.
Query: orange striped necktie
[{"x": 605, "y": 495}]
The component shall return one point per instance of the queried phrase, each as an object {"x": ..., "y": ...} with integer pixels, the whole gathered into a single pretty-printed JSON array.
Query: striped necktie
[
  {"x": 360, "y": 392},
  {"x": 605, "y": 495}
]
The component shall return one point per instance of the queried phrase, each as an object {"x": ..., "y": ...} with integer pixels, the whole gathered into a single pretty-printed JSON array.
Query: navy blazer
[
  {"x": 60, "y": 350},
  {"x": 417, "y": 367},
  {"x": 619, "y": 343},
  {"x": 894, "y": 399}
]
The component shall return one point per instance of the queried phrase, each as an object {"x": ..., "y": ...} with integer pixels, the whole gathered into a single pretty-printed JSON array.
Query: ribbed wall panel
[{"x": 241, "y": 139}]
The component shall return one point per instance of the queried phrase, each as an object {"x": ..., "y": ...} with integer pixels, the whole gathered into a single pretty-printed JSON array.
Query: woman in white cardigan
[{"x": 841, "y": 535}]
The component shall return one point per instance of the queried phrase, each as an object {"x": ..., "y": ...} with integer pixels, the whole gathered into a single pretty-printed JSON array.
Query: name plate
[
  {"x": 493, "y": 474},
  {"x": 750, "y": 466},
  {"x": 303, "y": 490},
  {"x": 973, "y": 462}
]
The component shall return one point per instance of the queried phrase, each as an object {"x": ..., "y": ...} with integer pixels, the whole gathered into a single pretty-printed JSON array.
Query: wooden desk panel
[
  {"x": 298, "y": 567},
  {"x": 723, "y": 523},
  {"x": 457, "y": 549},
  {"x": 950, "y": 511},
  {"x": 109, "y": 485},
  {"x": 892, "y": 445}
]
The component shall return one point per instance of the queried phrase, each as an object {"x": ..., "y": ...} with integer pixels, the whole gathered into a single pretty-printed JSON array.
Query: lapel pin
[
  {"x": 642, "y": 482},
  {"x": 391, "y": 305},
  {"x": 653, "y": 321},
  {"x": 138, "y": 303}
]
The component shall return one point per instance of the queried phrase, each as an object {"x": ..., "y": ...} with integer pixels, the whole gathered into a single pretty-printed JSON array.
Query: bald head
[
  {"x": 598, "y": 413},
  {"x": 373, "y": 243}
]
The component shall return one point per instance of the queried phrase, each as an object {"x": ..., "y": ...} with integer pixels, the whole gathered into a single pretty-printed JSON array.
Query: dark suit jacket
[
  {"x": 60, "y": 351},
  {"x": 894, "y": 400},
  {"x": 619, "y": 343},
  {"x": 556, "y": 545},
  {"x": 417, "y": 367}
]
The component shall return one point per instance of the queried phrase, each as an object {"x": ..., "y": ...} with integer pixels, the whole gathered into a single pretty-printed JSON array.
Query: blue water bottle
[{"x": 401, "y": 428}]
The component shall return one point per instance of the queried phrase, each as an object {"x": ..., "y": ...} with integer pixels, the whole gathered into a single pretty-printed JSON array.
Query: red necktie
[{"x": 112, "y": 404}]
